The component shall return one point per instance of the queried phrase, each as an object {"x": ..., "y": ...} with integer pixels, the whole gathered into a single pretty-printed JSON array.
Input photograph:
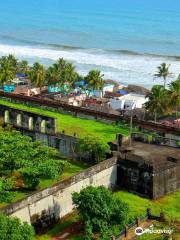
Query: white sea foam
[{"x": 122, "y": 67}]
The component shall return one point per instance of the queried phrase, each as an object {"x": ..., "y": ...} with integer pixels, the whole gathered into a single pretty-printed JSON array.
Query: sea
[{"x": 125, "y": 39}]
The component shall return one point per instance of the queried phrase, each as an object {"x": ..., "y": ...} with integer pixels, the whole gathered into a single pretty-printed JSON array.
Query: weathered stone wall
[
  {"x": 39, "y": 128},
  {"x": 55, "y": 202},
  {"x": 135, "y": 177},
  {"x": 166, "y": 181},
  {"x": 28, "y": 120},
  {"x": 65, "y": 144}
]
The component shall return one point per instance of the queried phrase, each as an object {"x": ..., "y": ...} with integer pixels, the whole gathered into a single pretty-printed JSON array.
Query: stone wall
[
  {"x": 166, "y": 181},
  {"x": 55, "y": 202},
  {"x": 28, "y": 120},
  {"x": 40, "y": 128},
  {"x": 65, "y": 144},
  {"x": 135, "y": 177}
]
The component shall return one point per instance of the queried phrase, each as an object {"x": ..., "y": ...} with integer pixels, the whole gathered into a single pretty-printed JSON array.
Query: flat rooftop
[
  {"x": 133, "y": 97},
  {"x": 159, "y": 157}
]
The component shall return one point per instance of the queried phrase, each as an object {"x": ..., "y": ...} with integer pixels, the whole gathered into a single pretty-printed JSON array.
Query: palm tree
[
  {"x": 95, "y": 80},
  {"x": 52, "y": 75},
  {"x": 38, "y": 74},
  {"x": 157, "y": 103},
  {"x": 61, "y": 64},
  {"x": 174, "y": 92},
  {"x": 7, "y": 70},
  {"x": 163, "y": 72},
  {"x": 23, "y": 67},
  {"x": 56, "y": 73},
  {"x": 69, "y": 74}
]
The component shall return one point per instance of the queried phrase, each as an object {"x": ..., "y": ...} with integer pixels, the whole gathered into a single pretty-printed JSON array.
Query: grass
[
  {"x": 168, "y": 204},
  {"x": 137, "y": 207},
  {"x": 63, "y": 224},
  {"x": 73, "y": 167},
  {"x": 71, "y": 125}
]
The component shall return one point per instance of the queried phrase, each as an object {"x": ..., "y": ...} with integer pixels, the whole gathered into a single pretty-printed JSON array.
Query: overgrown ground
[
  {"x": 71, "y": 125},
  {"x": 137, "y": 207},
  {"x": 169, "y": 205},
  {"x": 72, "y": 168},
  {"x": 62, "y": 225}
]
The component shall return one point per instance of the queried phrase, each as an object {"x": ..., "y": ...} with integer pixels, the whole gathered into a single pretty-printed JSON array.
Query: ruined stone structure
[
  {"x": 50, "y": 204},
  {"x": 28, "y": 120},
  {"x": 40, "y": 128},
  {"x": 141, "y": 167},
  {"x": 147, "y": 169}
]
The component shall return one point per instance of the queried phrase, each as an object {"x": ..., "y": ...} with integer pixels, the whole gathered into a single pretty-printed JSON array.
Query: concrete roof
[{"x": 154, "y": 155}]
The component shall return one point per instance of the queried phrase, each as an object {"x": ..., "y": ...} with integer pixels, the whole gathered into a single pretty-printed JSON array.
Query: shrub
[
  {"x": 13, "y": 229},
  {"x": 100, "y": 211}
]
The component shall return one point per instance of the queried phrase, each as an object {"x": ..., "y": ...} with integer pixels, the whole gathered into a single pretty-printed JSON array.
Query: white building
[
  {"x": 128, "y": 102},
  {"x": 101, "y": 93}
]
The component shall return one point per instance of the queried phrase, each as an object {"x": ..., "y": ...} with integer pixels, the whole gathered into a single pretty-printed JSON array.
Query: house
[{"x": 128, "y": 101}]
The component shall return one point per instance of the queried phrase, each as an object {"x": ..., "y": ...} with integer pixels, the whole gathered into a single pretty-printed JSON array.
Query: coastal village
[{"x": 84, "y": 157}]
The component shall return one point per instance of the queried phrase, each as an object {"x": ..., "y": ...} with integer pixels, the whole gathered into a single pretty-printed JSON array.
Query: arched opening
[
  {"x": 6, "y": 117},
  {"x": 43, "y": 126},
  {"x": 18, "y": 120},
  {"x": 31, "y": 126}
]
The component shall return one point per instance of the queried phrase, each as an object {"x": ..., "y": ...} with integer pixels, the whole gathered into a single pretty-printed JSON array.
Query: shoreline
[{"x": 124, "y": 68}]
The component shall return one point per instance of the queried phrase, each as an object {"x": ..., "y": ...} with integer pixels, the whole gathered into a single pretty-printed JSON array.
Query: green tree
[
  {"x": 94, "y": 148},
  {"x": 13, "y": 61},
  {"x": 158, "y": 101},
  {"x": 70, "y": 75},
  {"x": 7, "y": 69},
  {"x": 100, "y": 211},
  {"x": 23, "y": 67},
  {"x": 38, "y": 75},
  {"x": 163, "y": 72},
  {"x": 174, "y": 92},
  {"x": 61, "y": 73},
  {"x": 13, "y": 229},
  {"x": 95, "y": 80},
  {"x": 52, "y": 75},
  {"x": 31, "y": 160},
  {"x": 61, "y": 63},
  {"x": 6, "y": 185}
]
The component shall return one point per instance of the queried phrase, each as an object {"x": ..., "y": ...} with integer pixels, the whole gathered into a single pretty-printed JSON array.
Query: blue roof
[
  {"x": 123, "y": 92},
  {"x": 20, "y": 75},
  {"x": 80, "y": 83}
]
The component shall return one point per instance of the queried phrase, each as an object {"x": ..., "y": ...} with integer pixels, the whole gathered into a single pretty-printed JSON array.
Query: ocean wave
[
  {"x": 126, "y": 68},
  {"x": 38, "y": 43},
  {"x": 135, "y": 53},
  {"x": 55, "y": 46}
]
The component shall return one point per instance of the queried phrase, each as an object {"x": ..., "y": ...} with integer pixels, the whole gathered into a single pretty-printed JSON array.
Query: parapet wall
[
  {"x": 55, "y": 202},
  {"x": 40, "y": 128},
  {"x": 28, "y": 120}
]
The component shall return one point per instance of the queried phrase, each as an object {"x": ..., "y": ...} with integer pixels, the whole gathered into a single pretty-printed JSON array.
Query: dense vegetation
[
  {"x": 94, "y": 149},
  {"x": 13, "y": 229},
  {"x": 100, "y": 211},
  {"x": 62, "y": 74},
  {"x": 23, "y": 163},
  {"x": 163, "y": 100},
  {"x": 137, "y": 207}
]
